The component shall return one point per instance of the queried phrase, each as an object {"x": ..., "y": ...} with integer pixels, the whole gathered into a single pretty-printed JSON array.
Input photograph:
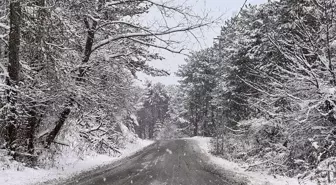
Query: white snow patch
[
  {"x": 328, "y": 90},
  {"x": 169, "y": 151},
  {"x": 255, "y": 178},
  {"x": 4, "y": 26},
  {"x": 315, "y": 145},
  {"x": 333, "y": 44},
  {"x": 29, "y": 176},
  {"x": 135, "y": 119}
]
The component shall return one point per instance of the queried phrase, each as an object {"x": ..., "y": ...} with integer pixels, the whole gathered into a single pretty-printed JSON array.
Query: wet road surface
[{"x": 176, "y": 162}]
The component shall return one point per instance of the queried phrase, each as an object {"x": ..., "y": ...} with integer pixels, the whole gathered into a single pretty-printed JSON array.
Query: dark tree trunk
[
  {"x": 88, "y": 46},
  {"x": 59, "y": 124},
  {"x": 151, "y": 131},
  {"x": 140, "y": 132},
  {"x": 205, "y": 119},
  {"x": 32, "y": 123},
  {"x": 195, "y": 123},
  {"x": 14, "y": 41},
  {"x": 14, "y": 71},
  {"x": 195, "y": 128}
]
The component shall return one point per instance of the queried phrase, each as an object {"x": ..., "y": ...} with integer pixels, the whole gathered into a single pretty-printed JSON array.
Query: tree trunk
[
  {"x": 14, "y": 41},
  {"x": 196, "y": 120},
  {"x": 151, "y": 130},
  {"x": 59, "y": 124},
  {"x": 206, "y": 131},
  {"x": 195, "y": 128},
  {"x": 88, "y": 45},
  {"x": 14, "y": 71},
  {"x": 32, "y": 124}
]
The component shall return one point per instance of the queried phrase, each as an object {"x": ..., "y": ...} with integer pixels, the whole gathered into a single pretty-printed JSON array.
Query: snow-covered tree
[
  {"x": 154, "y": 110},
  {"x": 67, "y": 68},
  {"x": 198, "y": 82},
  {"x": 273, "y": 70}
]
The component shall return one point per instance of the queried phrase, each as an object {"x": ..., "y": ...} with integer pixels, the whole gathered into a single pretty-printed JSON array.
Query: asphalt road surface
[{"x": 176, "y": 162}]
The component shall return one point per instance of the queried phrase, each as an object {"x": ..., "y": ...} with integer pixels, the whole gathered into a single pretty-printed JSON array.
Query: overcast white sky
[{"x": 172, "y": 61}]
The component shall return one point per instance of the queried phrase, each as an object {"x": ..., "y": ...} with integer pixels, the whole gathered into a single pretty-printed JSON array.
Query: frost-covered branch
[{"x": 140, "y": 34}]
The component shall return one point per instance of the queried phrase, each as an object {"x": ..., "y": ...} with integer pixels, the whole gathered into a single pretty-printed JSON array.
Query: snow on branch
[
  {"x": 61, "y": 143},
  {"x": 141, "y": 34},
  {"x": 4, "y": 26},
  {"x": 158, "y": 46}
]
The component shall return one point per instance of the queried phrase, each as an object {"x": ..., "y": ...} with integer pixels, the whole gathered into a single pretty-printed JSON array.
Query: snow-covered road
[{"x": 176, "y": 162}]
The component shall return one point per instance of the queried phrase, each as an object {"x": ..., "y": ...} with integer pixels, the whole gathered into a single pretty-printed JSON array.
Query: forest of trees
[
  {"x": 160, "y": 112},
  {"x": 266, "y": 88},
  {"x": 68, "y": 70}
]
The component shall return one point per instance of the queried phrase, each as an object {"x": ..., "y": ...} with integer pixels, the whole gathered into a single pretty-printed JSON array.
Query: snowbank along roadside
[
  {"x": 29, "y": 176},
  {"x": 254, "y": 178}
]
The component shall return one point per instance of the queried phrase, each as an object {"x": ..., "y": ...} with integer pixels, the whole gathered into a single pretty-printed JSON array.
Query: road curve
[{"x": 175, "y": 162}]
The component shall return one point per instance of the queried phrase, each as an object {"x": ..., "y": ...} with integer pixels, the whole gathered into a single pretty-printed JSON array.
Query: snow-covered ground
[
  {"x": 255, "y": 178},
  {"x": 29, "y": 176}
]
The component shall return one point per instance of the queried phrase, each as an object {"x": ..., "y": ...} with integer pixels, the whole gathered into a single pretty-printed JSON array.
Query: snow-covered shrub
[
  {"x": 325, "y": 173},
  {"x": 7, "y": 162},
  {"x": 85, "y": 137},
  {"x": 260, "y": 143},
  {"x": 282, "y": 148}
]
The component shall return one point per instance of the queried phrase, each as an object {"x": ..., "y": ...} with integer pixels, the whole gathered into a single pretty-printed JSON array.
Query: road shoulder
[{"x": 226, "y": 168}]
